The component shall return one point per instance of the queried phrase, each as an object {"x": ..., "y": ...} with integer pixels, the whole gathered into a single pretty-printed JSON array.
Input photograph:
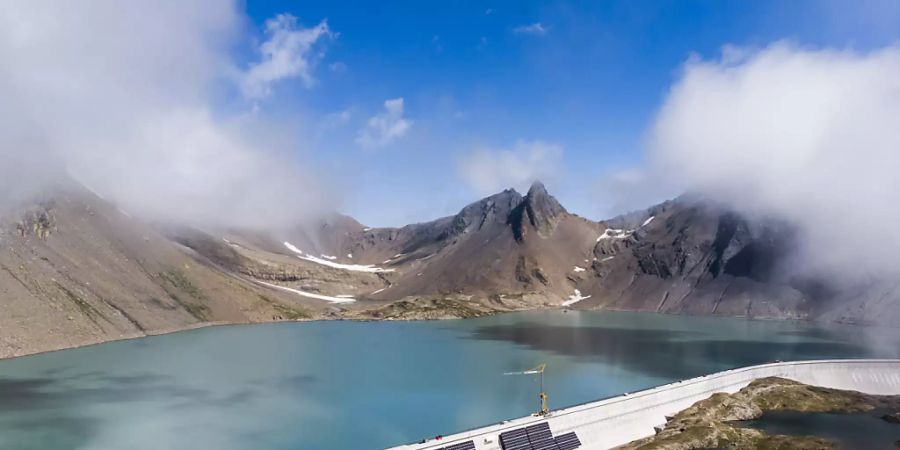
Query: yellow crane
[{"x": 538, "y": 370}]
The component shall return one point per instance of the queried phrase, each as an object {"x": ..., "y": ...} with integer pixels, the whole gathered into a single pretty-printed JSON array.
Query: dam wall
[{"x": 618, "y": 420}]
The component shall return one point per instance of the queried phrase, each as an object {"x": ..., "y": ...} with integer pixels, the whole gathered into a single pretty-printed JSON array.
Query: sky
[
  {"x": 262, "y": 112},
  {"x": 562, "y": 91}
]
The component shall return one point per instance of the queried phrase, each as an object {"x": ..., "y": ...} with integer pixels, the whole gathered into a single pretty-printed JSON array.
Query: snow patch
[
  {"x": 607, "y": 258},
  {"x": 575, "y": 298},
  {"x": 329, "y": 257},
  {"x": 353, "y": 267},
  {"x": 647, "y": 222},
  {"x": 579, "y": 269},
  {"x": 293, "y": 249},
  {"x": 382, "y": 289},
  {"x": 366, "y": 229},
  {"x": 350, "y": 255},
  {"x": 614, "y": 233},
  {"x": 327, "y": 298}
]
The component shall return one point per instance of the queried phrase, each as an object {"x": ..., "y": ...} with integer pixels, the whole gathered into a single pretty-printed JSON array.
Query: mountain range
[{"x": 75, "y": 269}]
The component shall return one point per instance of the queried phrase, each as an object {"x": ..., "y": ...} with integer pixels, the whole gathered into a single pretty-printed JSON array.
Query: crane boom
[{"x": 538, "y": 370}]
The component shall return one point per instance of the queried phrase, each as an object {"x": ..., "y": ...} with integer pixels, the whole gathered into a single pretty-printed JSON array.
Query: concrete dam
[{"x": 618, "y": 420}]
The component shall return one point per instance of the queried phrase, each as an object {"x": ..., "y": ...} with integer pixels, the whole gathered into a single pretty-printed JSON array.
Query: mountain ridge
[{"x": 75, "y": 269}]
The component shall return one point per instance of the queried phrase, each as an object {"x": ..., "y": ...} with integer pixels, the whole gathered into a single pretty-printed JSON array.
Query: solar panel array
[
  {"x": 568, "y": 441},
  {"x": 538, "y": 437},
  {"x": 468, "y": 445}
]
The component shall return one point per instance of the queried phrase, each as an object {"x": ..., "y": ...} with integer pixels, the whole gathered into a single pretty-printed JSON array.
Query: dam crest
[{"x": 607, "y": 423}]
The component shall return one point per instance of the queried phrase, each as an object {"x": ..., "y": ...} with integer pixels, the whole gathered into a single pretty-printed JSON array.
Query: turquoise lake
[{"x": 370, "y": 385}]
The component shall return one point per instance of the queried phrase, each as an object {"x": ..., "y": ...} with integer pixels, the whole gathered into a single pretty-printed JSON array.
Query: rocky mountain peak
[
  {"x": 493, "y": 210},
  {"x": 539, "y": 210}
]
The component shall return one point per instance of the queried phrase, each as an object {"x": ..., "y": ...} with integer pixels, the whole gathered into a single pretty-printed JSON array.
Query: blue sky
[{"x": 579, "y": 81}]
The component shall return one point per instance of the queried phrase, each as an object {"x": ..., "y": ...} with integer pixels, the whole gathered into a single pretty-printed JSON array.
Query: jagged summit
[
  {"x": 493, "y": 210},
  {"x": 544, "y": 211},
  {"x": 538, "y": 210}
]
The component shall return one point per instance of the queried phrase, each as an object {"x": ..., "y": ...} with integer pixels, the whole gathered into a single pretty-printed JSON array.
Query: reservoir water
[
  {"x": 848, "y": 431},
  {"x": 370, "y": 385}
]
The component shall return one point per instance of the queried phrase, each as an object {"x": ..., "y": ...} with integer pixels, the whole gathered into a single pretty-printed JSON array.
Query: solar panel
[
  {"x": 544, "y": 444},
  {"x": 540, "y": 437},
  {"x": 568, "y": 441},
  {"x": 468, "y": 445},
  {"x": 534, "y": 437},
  {"x": 539, "y": 428},
  {"x": 515, "y": 440}
]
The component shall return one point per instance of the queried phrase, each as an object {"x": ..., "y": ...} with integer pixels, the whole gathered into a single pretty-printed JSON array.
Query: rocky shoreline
[{"x": 712, "y": 423}]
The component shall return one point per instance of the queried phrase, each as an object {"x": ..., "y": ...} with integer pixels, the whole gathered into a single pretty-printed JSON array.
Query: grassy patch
[
  {"x": 429, "y": 309},
  {"x": 196, "y": 307},
  {"x": 285, "y": 311}
]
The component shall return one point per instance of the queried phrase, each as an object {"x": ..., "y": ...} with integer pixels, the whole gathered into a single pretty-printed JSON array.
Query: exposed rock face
[
  {"x": 539, "y": 211},
  {"x": 75, "y": 269},
  {"x": 686, "y": 257}
]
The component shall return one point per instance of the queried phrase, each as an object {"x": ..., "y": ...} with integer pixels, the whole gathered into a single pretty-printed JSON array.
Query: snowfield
[
  {"x": 354, "y": 267},
  {"x": 292, "y": 248},
  {"x": 327, "y": 298}
]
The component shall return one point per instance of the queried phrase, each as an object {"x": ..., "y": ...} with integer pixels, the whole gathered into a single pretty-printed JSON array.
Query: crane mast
[{"x": 538, "y": 370}]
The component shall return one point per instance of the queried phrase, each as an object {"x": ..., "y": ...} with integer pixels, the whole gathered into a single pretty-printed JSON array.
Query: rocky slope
[{"x": 75, "y": 269}]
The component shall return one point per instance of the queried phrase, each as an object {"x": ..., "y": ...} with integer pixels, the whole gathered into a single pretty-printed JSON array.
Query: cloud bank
[
  {"x": 124, "y": 99},
  {"x": 488, "y": 171},
  {"x": 809, "y": 136}
]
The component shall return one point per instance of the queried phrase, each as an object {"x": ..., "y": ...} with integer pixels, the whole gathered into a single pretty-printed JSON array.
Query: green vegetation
[
  {"x": 178, "y": 280},
  {"x": 287, "y": 312},
  {"x": 429, "y": 309}
]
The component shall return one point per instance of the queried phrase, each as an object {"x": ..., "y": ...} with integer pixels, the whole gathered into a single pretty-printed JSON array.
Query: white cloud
[
  {"x": 287, "y": 53},
  {"x": 535, "y": 28},
  {"x": 385, "y": 127},
  {"x": 803, "y": 135},
  {"x": 122, "y": 99},
  {"x": 336, "y": 119},
  {"x": 490, "y": 170}
]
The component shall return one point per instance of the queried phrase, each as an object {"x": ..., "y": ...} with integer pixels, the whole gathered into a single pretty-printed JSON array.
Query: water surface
[
  {"x": 847, "y": 431},
  {"x": 369, "y": 385}
]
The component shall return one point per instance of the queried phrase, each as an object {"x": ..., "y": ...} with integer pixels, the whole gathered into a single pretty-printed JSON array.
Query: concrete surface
[{"x": 615, "y": 421}]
